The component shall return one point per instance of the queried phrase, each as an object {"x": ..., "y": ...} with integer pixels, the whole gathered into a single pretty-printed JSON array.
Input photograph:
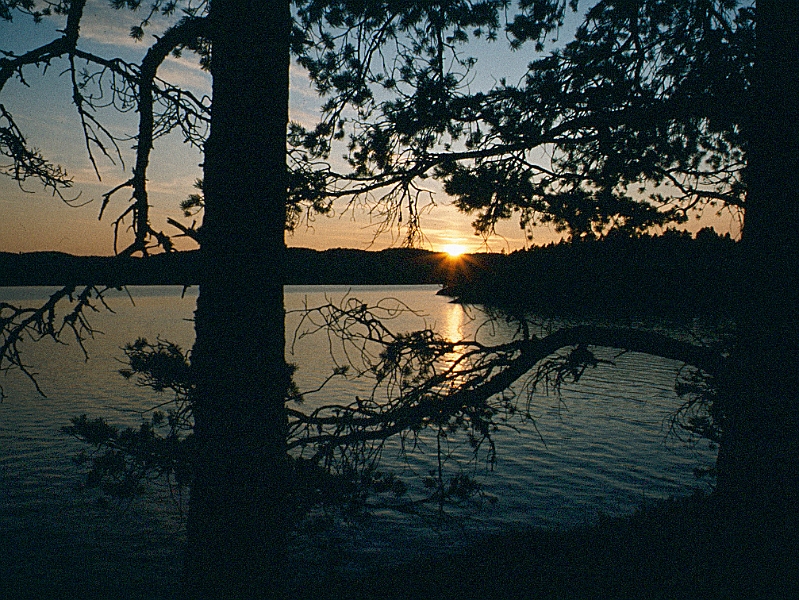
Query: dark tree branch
[
  {"x": 66, "y": 44},
  {"x": 432, "y": 381},
  {"x": 18, "y": 322},
  {"x": 188, "y": 111},
  {"x": 26, "y": 162},
  {"x": 188, "y": 30}
]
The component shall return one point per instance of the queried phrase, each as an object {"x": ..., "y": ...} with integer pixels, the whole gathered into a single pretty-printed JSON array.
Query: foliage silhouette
[
  {"x": 669, "y": 276},
  {"x": 632, "y": 124}
]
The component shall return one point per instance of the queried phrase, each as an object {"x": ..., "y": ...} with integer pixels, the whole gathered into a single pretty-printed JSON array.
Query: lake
[{"x": 601, "y": 447}]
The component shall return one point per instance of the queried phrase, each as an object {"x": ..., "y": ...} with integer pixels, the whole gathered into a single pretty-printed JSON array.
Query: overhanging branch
[{"x": 467, "y": 388}]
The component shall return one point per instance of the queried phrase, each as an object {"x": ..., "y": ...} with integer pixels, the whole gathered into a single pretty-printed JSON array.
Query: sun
[{"x": 454, "y": 250}]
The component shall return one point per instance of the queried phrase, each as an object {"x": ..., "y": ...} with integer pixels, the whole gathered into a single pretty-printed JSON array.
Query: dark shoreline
[
  {"x": 668, "y": 276},
  {"x": 683, "y": 548},
  {"x": 397, "y": 266},
  {"x": 671, "y": 549}
]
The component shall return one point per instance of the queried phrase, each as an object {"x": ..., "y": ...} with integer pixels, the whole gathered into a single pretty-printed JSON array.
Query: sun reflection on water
[{"x": 452, "y": 328}]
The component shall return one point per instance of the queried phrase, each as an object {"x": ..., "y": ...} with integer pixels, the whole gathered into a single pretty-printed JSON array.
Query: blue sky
[{"x": 35, "y": 220}]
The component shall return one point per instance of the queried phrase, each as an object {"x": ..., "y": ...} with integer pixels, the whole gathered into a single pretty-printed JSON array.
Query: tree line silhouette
[
  {"x": 338, "y": 266},
  {"x": 670, "y": 275}
]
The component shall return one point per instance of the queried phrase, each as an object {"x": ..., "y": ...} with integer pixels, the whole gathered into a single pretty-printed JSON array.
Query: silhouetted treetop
[{"x": 632, "y": 124}]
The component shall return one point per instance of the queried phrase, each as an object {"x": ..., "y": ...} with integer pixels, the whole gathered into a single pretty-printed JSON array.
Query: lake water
[{"x": 602, "y": 447}]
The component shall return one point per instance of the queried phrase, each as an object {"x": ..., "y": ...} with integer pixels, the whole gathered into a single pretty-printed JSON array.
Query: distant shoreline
[
  {"x": 339, "y": 266},
  {"x": 671, "y": 275}
]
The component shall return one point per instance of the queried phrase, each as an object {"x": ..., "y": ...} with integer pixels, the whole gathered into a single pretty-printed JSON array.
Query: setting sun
[{"x": 454, "y": 249}]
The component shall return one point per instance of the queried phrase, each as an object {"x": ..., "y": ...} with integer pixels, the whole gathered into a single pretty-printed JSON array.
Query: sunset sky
[{"x": 33, "y": 219}]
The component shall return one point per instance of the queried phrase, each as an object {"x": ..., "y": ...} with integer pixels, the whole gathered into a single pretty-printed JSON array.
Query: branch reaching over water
[
  {"x": 423, "y": 388},
  {"x": 422, "y": 379},
  {"x": 18, "y": 323}
]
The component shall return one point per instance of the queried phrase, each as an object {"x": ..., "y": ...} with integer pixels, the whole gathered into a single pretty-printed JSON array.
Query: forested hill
[
  {"x": 305, "y": 266},
  {"x": 671, "y": 275}
]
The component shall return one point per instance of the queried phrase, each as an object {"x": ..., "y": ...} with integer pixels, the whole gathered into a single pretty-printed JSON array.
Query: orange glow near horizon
[{"x": 454, "y": 250}]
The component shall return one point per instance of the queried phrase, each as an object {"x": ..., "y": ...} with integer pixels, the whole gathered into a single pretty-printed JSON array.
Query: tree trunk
[
  {"x": 238, "y": 514},
  {"x": 758, "y": 465}
]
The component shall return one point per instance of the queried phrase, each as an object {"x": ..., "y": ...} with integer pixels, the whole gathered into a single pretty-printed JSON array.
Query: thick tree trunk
[
  {"x": 238, "y": 514},
  {"x": 759, "y": 459}
]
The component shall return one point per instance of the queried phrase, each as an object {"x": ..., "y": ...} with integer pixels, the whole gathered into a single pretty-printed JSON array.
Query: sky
[{"x": 32, "y": 219}]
